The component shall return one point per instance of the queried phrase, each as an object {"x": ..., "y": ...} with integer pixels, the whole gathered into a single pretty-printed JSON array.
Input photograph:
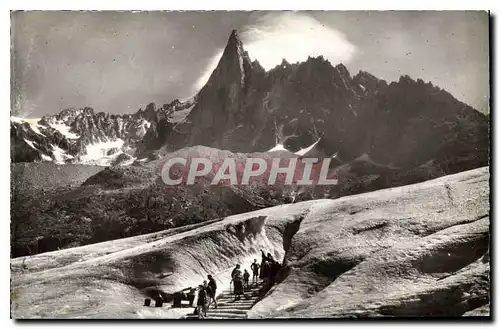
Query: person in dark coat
[
  {"x": 212, "y": 291},
  {"x": 275, "y": 267},
  {"x": 237, "y": 281},
  {"x": 246, "y": 277},
  {"x": 262, "y": 263},
  {"x": 234, "y": 270},
  {"x": 265, "y": 271}
]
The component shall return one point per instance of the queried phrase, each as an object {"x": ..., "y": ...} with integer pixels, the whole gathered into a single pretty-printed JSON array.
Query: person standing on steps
[
  {"x": 201, "y": 305},
  {"x": 234, "y": 271},
  {"x": 246, "y": 278},
  {"x": 275, "y": 267},
  {"x": 265, "y": 267},
  {"x": 208, "y": 293},
  {"x": 265, "y": 264},
  {"x": 255, "y": 271},
  {"x": 265, "y": 272},
  {"x": 237, "y": 281},
  {"x": 212, "y": 291},
  {"x": 262, "y": 263}
]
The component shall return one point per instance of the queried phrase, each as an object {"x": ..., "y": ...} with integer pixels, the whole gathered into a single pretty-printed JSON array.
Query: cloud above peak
[
  {"x": 294, "y": 37},
  {"x": 291, "y": 36}
]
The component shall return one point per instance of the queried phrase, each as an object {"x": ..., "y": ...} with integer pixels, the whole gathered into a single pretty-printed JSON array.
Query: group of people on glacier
[{"x": 267, "y": 271}]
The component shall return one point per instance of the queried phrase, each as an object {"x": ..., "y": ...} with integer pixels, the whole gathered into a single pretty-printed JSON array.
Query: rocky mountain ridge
[
  {"x": 403, "y": 124},
  {"x": 243, "y": 108},
  {"x": 86, "y": 136}
]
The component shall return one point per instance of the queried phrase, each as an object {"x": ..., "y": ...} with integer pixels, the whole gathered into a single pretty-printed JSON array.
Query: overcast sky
[{"x": 120, "y": 61}]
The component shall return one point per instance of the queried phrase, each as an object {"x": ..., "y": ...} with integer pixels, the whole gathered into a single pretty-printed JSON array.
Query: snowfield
[
  {"x": 416, "y": 250},
  {"x": 63, "y": 129},
  {"x": 33, "y": 124},
  {"x": 97, "y": 153},
  {"x": 59, "y": 155}
]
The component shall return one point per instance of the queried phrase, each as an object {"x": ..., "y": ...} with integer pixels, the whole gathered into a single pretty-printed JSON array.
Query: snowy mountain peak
[{"x": 87, "y": 136}]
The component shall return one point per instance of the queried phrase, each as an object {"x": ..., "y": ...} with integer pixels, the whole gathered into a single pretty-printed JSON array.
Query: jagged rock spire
[
  {"x": 233, "y": 42},
  {"x": 233, "y": 63}
]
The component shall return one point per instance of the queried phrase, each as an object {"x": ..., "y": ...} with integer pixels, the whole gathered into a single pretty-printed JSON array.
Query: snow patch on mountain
[
  {"x": 303, "y": 151},
  {"x": 30, "y": 143},
  {"x": 144, "y": 127},
  {"x": 22, "y": 120},
  {"x": 33, "y": 123},
  {"x": 128, "y": 162},
  {"x": 36, "y": 130},
  {"x": 16, "y": 119},
  {"x": 45, "y": 157},
  {"x": 97, "y": 153},
  {"x": 63, "y": 129},
  {"x": 240, "y": 60},
  {"x": 278, "y": 147},
  {"x": 60, "y": 156}
]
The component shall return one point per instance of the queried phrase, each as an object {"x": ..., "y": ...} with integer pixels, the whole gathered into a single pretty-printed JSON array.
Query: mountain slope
[
  {"x": 101, "y": 204},
  {"x": 79, "y": 204}
]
